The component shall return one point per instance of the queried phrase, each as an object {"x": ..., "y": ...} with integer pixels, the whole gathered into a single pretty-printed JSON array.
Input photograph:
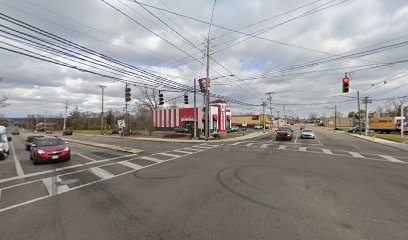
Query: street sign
[{"x": 121, "y": 123}]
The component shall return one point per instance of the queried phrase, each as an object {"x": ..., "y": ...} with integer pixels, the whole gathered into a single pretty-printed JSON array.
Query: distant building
[
  {"x": 341, "y": 122},
  {"x": 169, "y": 118},
  {"x": 250, "y": 120},
  {"x": 46, "y": 126}
]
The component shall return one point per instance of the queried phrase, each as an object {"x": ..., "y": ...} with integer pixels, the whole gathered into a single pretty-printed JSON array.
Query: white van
[{"x": 4, "y": 143}]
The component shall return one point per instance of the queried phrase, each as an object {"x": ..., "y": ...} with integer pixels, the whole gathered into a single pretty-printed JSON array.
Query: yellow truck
[{"x": 387, "y": 124}]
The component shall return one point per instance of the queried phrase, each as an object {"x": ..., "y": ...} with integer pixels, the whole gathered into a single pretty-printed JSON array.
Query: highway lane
[{"x": 229, "y": 193}]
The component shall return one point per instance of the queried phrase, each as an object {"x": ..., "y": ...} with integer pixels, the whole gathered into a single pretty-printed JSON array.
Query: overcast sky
[{"x": 289, "y": 33}]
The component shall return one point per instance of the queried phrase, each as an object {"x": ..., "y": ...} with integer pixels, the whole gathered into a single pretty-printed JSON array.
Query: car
[
  {"x": 15, "y": 131},
  {"x": 67, "y": 133},
  {"x": 258, "y": 127},
  {"x": 302, "y": 127},
  {"x": 233, "y": 129},
  {"x": 284, "y": 133},
  {"x": 307, "y": 133},
  {"x": 29, "y": 140},
  {"x": 355, "y": 129},
  {"x": 49, "y": 149},
  {"x": 180, "y": 129}
]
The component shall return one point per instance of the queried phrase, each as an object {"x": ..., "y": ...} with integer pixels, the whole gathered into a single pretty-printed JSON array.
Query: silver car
[{"x": 307, "y": 133}]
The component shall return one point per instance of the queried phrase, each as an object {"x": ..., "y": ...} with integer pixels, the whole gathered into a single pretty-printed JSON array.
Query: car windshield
[
  {"x": 50, "y": 142},
  {"x": 284, "y": 130},
  {"x": 307, "y": 130}
]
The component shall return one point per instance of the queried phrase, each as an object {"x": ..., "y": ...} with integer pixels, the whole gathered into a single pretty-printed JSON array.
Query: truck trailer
[{"x": 388, "y": 124}]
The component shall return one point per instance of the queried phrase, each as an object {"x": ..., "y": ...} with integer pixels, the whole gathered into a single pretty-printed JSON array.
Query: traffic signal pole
[
  {"x": 359, "y": 112},
  {"x": 103, "y": 93}
]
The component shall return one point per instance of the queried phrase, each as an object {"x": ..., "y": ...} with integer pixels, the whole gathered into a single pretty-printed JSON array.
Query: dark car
[
  {"x": 67, "y": 133},
  {"x": 355, "y": 129},
  {"x": 284, "y": 133},
  {"x": 49, "y": 149},
  {"x": 181, "y": 129},
  {"x": 30, "y": 140}
]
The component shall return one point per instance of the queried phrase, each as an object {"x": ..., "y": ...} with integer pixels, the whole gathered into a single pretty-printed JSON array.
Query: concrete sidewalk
[{"x": 240, "y": 138}]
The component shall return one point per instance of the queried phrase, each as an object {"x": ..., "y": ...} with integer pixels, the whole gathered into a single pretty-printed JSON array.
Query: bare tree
[
  {"x": 3, "y": 100},
  {"x": 313, "y": 116},
  {"x": 147, "y": 101},
  {"x": 393, "y": 108}
]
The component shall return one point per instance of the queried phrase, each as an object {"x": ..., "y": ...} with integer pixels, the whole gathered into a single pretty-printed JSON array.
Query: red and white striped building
[{"x": 169, "y": 118}]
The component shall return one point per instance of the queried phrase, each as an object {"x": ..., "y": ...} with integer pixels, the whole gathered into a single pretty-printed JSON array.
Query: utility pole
[
  {"x": 195, "y": 111},
  {"x": 359, "y": 112},
  {"x": 264, "y": 119},
  {"x": 366, "y": 101},
  {"x": 335, "y": 117},
  {"x": 65, "y": 116},
  {"x": 284, "y": 114},
  {"x": 207, "y": 93},
  {"x": 270, "y": 108},
  {"x": 45, "y": 121},
  {"x": 103, "y": 93}
]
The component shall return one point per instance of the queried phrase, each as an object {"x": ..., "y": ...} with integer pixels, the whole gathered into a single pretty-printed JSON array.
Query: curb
[{"x": 105, "y": 146}]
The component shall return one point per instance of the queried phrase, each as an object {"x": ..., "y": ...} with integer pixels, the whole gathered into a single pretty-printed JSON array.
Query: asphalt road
[{"x": 259, "y": 189}]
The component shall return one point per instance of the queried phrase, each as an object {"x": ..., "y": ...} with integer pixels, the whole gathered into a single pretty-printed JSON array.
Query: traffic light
[
  {"x": 127, "y": 94},
  {"x": 346, "y": 83},
  {"x": 185, "y": 99},
  {"x": 161, "y": 98}
]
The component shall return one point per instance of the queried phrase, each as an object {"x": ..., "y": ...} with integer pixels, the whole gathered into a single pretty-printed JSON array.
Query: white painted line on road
[
  {"x": 23, "y": 203},
  {"x": 52, "y": 187},
  {"x": 297, "y": 136},
  {"x": 210, "y": 145},
  {"x": 101, "y": 173},
  {"x": 233, "y": 144},
  {"x": 391, "y": 159},
  {"x": 81, "y": 155},
  {"x": 170, "y": 155},
  {"x": 302, "y": 149},
  {"x": 264, "y": 145},
  {"x": 358, "y": 155},
  {"x": 201, "y": 147},
  {"x": 355, "y": 146},
  {"x": 327, "y": 151},
  {"x": 271, "y": 140},
  {"x": 249, "y": 144},
  {"x": 17, "y": 163},
  {"x": 151, "y": 159},
  {"x": 282, "y": 147},
  {"x": 179, "y": 151},
  {"x": 131, "y": 165},
  {"x": 194, "y": 149}
]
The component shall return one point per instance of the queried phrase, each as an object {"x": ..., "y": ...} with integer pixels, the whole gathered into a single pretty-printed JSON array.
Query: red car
[
  {"x": 49, "y": 149},
  {"x": 284, "y": 133}
]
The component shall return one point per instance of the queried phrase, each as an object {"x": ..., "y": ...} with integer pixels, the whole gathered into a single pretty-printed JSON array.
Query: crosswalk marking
[
  {"x": 235, "y": 143},
  {"x": 302, "y": 149},
  {"x": 358, "y": 155},
  {"x": 194, "y": 149},
  {"x": 131, "y": 165},
  {"x": 52, "y": 187},
  {"x": 179, "y": 151},
  {"x": 391, "y": 159},
  {"x": 151, "y": 159},
  {"x": 282, "y": 147},
  {"x": 101, "y": 173},
  {"x": 201, "y": 147},
  {"x": 327, "y": 151},
  {"x": 264, "y": 145},
  {"x": 170, "y": 155},
  {"x": 249, "y": 144}
]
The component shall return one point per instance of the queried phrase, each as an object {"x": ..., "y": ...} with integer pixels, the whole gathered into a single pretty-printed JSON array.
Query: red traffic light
[{"x": 346, "y": 84}]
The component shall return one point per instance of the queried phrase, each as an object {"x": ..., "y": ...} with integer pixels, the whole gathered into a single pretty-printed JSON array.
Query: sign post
[{"x": 122, "y": 125}]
